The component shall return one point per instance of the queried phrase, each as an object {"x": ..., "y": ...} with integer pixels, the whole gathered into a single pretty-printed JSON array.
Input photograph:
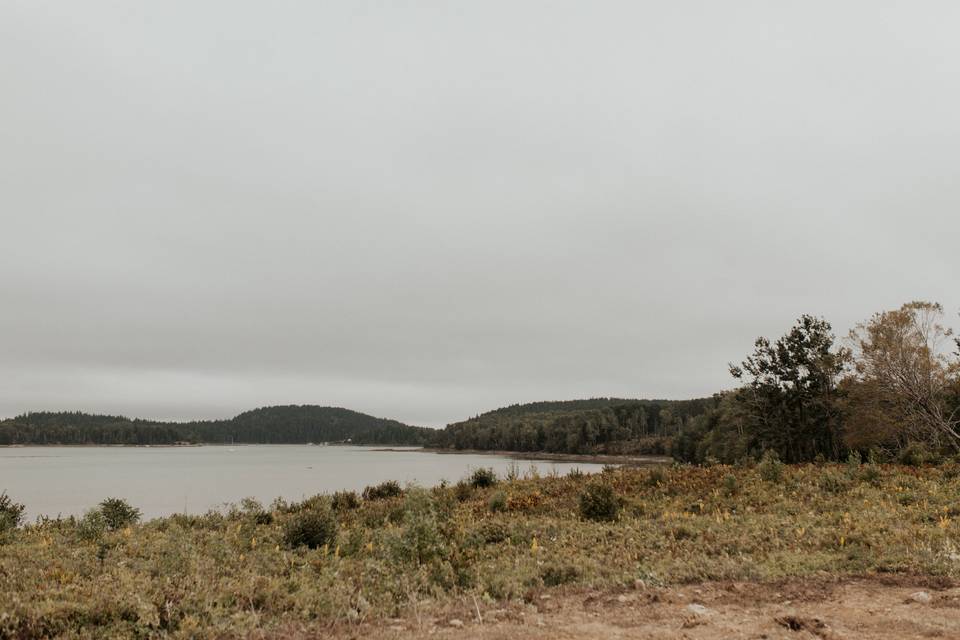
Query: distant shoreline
[
  {"x": 112, "y": 446},
  {"x": 194, "y": 444},
  {"x": 628, "y": 460}
]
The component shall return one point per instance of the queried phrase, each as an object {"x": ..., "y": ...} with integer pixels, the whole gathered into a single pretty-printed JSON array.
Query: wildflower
[{"x": 534, "y": 546}]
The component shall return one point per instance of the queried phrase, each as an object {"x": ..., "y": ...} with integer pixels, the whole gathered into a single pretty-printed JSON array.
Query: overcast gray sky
[{"x": 423, "y": 210}]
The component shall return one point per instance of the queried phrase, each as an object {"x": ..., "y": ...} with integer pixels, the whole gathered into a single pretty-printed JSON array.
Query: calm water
[{"x": 165, "y": 480}]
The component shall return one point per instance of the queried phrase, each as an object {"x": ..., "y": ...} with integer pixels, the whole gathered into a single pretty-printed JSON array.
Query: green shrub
[
  {"x": 462, "y": 491},
  {"x": 575, "y": 473},
  {"x": 655, "y": 477},
  {"x": 318, "y": 501},
  {"x": 356, "y": 539},
  {"x": 396, "y": 513},
  {"x": 599, "y": 502},
  {"x": 250, "y": 506},
  {"x": 382, "y": 491},
  {"x": 695, "y": 507},
  {"x": 950, "y": 470},
  {"x": 117, "y": 513},
  {"x": 421, "y": 539},
  {"x": 345, "y": 501},
  {"x": 489, "y": 532},
  {"x": 252, "y": 509},
  {"x": 498, "y": 502},
  {"x": 907, "y": 498},
  {"x": 871, "y": 474},
  {"x": 556, "y": 574},
  {"x": 482, "y": 478},
  {"x": 831, "y": 482},
  {"x": 917, "y": 454},
  {"x": 730, "y": 485},
  {"x": 92, "y": 525},
  {"x": 770, "y": 467},
  {"x": 11, "y": 513},
  {"x": 313, "y": 528}
]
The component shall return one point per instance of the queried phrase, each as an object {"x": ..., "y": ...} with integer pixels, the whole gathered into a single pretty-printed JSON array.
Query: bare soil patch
[{"x": 893, "y": 607}]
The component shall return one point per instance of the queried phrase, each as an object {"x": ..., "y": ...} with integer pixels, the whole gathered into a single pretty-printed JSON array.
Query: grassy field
[{"x": 225, "y": 574}]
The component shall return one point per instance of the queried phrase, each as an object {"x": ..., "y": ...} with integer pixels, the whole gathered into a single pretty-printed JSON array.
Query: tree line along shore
[{"x": 889, "y": 390}]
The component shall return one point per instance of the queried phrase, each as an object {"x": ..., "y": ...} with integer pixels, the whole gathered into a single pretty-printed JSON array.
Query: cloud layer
[{"x": 425, "y": 210}]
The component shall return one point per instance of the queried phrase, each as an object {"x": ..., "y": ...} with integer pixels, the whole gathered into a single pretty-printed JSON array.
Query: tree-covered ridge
[
  {"x": 74, "y": 427},
  {"x": 556, "y": 406},
  {"x": 307, "y": 423},
  {"x": 598, "y": 425},
  {"x": 294, "y": 424}
]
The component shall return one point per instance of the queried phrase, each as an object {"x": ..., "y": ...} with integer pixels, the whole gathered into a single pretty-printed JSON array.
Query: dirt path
[{"x": 894, "y": 608}]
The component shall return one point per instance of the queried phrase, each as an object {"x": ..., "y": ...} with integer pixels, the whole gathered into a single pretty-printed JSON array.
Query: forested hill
[
  {"x": 307, "y": 423},
  {"x": 563, "y": 406},
  {"x": 294, "y": 424},
  {"x": 597, "y": 425},
  {"x": 69, "y": 427},
  {"x": 608, "y": 425}
]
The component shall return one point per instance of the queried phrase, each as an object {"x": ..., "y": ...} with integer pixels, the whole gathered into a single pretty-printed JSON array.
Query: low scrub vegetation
[
  {"x": 599, "y": 502},
  {"x": 307, "y": 565},
  {"x": 345, "y": 500},
  {"x": 11, "y": 513},
  {"x": 482, "y": 478},
  {"x": 311, "y": 528},
  {"x": 118, "y": 513},
  {"x": 382, "y": 491}
]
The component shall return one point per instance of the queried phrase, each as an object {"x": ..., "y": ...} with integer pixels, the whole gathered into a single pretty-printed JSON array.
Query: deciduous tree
[{"x": 906, "y": 372}]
